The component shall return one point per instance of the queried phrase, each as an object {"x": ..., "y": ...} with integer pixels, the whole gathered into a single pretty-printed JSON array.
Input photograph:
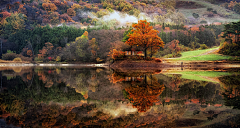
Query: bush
[
  {"x": 168, "y": 56},
  {"x": 17, "y": 59},
  {"x": 209, "y": 9},
  {"x": 203, "y": 22},
  {"x": 9, "y": 56},
  {"x": 178, "y": 54},
  {"x": 230, "y": 49},
  {"x": 23, "y": 58},
  {"x": 203, "y": 46},
  {"x": 195, "y": 15},
  {"x": 158, "y": 60},
  {"x": 12, "y": 56}
]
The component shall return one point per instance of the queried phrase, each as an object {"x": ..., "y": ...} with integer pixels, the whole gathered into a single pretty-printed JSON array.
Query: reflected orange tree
[
  {"x": 143, "y": 91},
  {"x": 145, "y": 94}
]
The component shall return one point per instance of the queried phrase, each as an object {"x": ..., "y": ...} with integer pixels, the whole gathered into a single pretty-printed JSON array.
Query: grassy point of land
[{"x": 201, "y": 55}]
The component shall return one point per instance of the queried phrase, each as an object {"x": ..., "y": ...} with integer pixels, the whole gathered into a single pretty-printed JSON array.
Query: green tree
[{"x": 232, "y": 32}]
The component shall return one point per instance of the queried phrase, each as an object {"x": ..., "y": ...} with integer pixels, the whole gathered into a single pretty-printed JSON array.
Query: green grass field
[
  {"x": 196, "y": 56},
  {"x": 210, "y": 57}
]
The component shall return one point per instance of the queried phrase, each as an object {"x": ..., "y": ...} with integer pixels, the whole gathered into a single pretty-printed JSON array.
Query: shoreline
[{"x": 49, "y": 65}]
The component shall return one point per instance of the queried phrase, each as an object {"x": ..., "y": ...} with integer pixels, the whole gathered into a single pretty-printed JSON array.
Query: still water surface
[{"x": 99, "y": 97}]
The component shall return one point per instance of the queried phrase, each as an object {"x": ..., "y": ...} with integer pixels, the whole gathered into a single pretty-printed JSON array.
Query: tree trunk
[
  {"x": 145, "y": 79},
  {"x": 1, "y": 49},
  {"x": 32, "y": 51},
  {"x": 145, "y": 53},
  {"x": 151, "y": 52},
  {"x": 131, "y": 50}
]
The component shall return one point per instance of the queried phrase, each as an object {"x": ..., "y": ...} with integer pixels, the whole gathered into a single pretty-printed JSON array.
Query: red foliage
[
  {"x": 46, "y": 21},
  {"x": 29, "y": 52},
  {"x": 116, "y": 54},
  {"x": 50, "y": 58},
  {"x": 174, "y": 46},
  {"x": 5, "y": 14},
  {"x": 9, "y": 6},
  {"x": 66, "y": 17}
]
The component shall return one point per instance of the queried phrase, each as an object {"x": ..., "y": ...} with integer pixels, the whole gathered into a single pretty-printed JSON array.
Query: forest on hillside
[{"x": 77, "y": 30}]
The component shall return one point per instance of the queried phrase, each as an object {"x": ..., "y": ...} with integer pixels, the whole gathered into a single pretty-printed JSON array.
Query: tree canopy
[{"x": 145, "y": 36}]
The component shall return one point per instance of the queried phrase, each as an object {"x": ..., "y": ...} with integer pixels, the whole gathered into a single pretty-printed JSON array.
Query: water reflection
[
  {"x": 141, "y": 89},
  {"x": 97, "y": 97},
  {"x": 232, "y": 91}
]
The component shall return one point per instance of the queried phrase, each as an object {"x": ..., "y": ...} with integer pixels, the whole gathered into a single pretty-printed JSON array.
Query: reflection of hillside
[{"x": 91, "y": 83}]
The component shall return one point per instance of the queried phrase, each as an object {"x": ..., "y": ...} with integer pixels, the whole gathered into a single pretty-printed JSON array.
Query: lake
[{"x": 101, "y": 97}]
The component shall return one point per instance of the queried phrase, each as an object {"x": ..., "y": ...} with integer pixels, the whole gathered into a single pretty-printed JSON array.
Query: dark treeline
[{"x": 58, "y": 36}]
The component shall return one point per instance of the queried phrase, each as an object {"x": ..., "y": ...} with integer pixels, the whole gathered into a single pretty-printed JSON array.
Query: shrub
[
  {"x": 195, "y": 15},
  {"x": 149, "y": 58},
  {"x": 17, "y": 59},
  {"x": 168, "y": 56},
  {"x": 203, "y": 46},
  {"x": 230, "y": 49},
  {"x": 114, "y": 54},
  {"x": 58, "y": 59},
  {"x": 203, "y": 22},
  {"x": 178, "y": 54},
  {"x": 9, "y": 56},
  {"x": 215, "y": 12},
  {"x": 158, "y": 60},
  {"x": 209, "y": 9}
]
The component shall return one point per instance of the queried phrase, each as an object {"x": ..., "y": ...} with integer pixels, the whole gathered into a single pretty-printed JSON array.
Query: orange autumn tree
[{"x": 145, "y": 36}]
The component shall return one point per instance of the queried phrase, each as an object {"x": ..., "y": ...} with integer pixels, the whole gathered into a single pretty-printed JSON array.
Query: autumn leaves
[{"x": 143, "y": 35}]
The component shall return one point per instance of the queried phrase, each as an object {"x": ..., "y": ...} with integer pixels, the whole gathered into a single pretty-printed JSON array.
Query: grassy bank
[{"x": 202, "y": 55}]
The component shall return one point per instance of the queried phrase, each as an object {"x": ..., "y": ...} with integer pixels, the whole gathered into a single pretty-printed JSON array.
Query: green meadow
[{"x": 197, "y": 56}]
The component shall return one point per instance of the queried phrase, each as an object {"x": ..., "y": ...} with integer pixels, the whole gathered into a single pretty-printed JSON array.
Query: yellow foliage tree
[
  {"x": 49, "y": 6},
  {"x": 71, "y": 12}
]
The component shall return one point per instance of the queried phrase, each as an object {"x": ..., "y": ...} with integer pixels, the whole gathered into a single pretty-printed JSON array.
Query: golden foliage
[
  {"x": 144, "y": 35},
  {"x": 49, "y": 6},
  {"x": 71, "y": 12},
  {"x": 76, "y": 7},
  {"x": 85, "y": 33}
]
